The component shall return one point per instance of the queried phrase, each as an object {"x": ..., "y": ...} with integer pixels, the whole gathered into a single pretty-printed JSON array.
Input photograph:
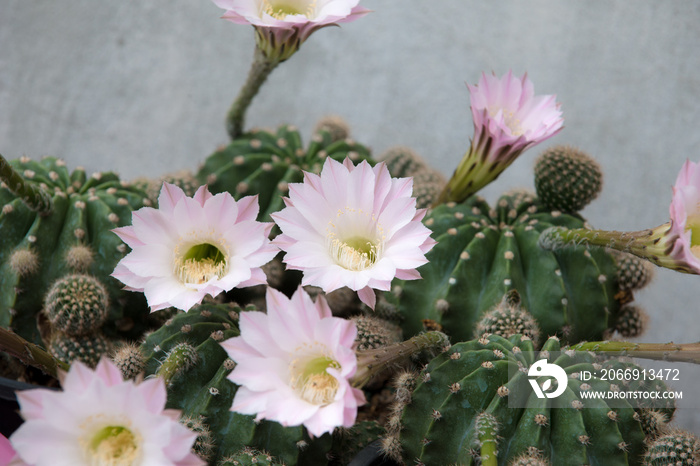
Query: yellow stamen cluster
[
  {"x": 510, "y": 120},
  {"x": 200, "y": 263},
  {"x": 281, "y": 9},
  {"x": 196, "y": 272},
  {"x": 113, "y": 446},
  {"x": 311, "y": 381},
  {"x": 358, "y": 252}
]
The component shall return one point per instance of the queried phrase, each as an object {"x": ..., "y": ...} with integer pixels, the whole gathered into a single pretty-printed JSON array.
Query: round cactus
[
  {"x": 567, "y": 179},
  {"x": 633, "y": 273},
  {"x": 74, "y": 236},
  {"x": 202, "y": 391},
  {"x": 130, "y": 360},
  {"x": 506, "y": 319},
  {"x": 77, "y": 304},
  {"x": 482, "y": 254},
  {"x": 86, "y": 348},
  {"x": 336, "y": 127},
  {"x": 474, "y": 402},
  {"x": 677, "y": 448},
  {"x": 373, "y": 333},
  {"x": 631, "y": 322},
  {"x": 264, "y": 163}
]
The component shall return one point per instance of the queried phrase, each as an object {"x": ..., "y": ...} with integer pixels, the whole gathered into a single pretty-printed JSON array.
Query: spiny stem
[
  {"x": 30, "y": 354},
  {"x": 259, "y": 71},
  {"x": 488, "y": 439},
  {"x": 684, "y": 352},
  {"x": 34, "y": 197},
  {"x": 372, "y": 362}
]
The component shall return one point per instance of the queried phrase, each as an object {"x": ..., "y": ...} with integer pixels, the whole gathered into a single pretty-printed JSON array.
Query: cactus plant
[
  {"x": 427, "y": 182},
  {"x": 473, "y": 405},
  {"x": 264, "y": 163},
  {"x": 202, "y": 391},
  {"x": 567, "y": 179},
  {"x": 483, "y": 253},
  {"x": 73, "y": 235}
]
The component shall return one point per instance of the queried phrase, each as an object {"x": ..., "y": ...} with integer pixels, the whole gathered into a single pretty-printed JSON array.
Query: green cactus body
[
  {"x": 443, "y": 421},
  {"x": 37, "y": 250},
  {"x": 203, "y": 389},
  {"x": 264, "y": 163},
  {"x": 482, "y": 254}
]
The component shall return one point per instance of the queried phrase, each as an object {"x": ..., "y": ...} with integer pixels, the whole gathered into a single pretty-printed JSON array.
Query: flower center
[
  {"x": 200, "y": 264},
  {"x": 313, "y": 383},
  {"x": 113, "y": 446},
  {"x": 693, "y": 224},
  {"x": 355, "y": 253},
  {"x": 281, "y": 9},
  {"x": 509, "y": 120}
]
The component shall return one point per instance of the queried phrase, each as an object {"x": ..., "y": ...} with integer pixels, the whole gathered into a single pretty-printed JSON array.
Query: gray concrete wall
[{"x": 142, "y": 87}]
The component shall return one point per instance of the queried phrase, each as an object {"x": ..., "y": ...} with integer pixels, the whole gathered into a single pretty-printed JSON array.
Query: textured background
[{"x": 142, "y": 87}]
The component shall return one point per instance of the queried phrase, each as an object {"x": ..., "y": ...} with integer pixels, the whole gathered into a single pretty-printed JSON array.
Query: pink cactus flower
[
  {"x": 674, "y": 245},
  {"x": 283, "y": 25},
  {"x": 508, "y": 119},
  {"x": 684, "y": 235},
  {"x": 191, "y": 247},
  {"x": 99, "y": 418},
  {"x": 302, "y": 377},
  {"x": 8, "y": 457},
  {"x": 353, "y": 226}
]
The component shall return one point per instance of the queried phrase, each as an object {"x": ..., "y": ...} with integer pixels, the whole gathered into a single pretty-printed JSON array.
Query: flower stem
[
  {"x": 372, "y": 362},
  {"x": 259, "y": 71},
  {"x": 684, "y": 352},
  {"x": 29, "y": 353},
  {"x": 34, "y": 197},
  {"x": 653, "y": 244}
]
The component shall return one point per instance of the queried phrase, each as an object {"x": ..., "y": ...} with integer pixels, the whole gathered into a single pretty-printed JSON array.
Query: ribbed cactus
[
  {"x": 463, "y": 409},
  {"x": 77, "y": 305},
  {"x": 264, "y": 163},
  {"x": 187, "y": 354},
  {"x": 484, "y": 253},
  {"x": 73, "y": 236}
]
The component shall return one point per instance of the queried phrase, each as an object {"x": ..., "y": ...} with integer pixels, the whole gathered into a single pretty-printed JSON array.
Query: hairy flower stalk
[
  {"x": 674, "y": 352},
  {"x": 260, "y": 69},
  {"x": 281, "y": 26},
  {"x": 674, "y": 245},
  {"x": 34, "y": 197},
  {"x": 372, "y": 362},
  {"x": 29, "y": 353},
  {"x": 508, "y": 119}
]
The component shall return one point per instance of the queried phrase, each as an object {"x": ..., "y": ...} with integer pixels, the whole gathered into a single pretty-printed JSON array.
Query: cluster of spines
[
  {"x": 631, "y": 322},
  {"x": 633, "y": 273},
  {"x": 204, "y": 443},
  {"x": 250, "y": 456},
  {"x": 508, "y": 318},
  {"x": 86, "y": 348},
  {"x": 130, "y": 360},
  {"x": 567, "y": 179},
  {"x": 77, "y": 305},
  {"x": 675, "y": 448}
]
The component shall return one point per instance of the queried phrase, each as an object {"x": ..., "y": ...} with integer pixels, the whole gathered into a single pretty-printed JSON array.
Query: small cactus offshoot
[
  {"x": 567, "y": 179},
  {"x": 130, "y": 360},
  {"x": 427, "y": 182},
  {"x": 676, "y": 448},
  {"x": 87, "y": 348},
  {"x": 508, "y": 318},
  {"x": 77, "y": 304},
  {"x": 631, "y": 322}
]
